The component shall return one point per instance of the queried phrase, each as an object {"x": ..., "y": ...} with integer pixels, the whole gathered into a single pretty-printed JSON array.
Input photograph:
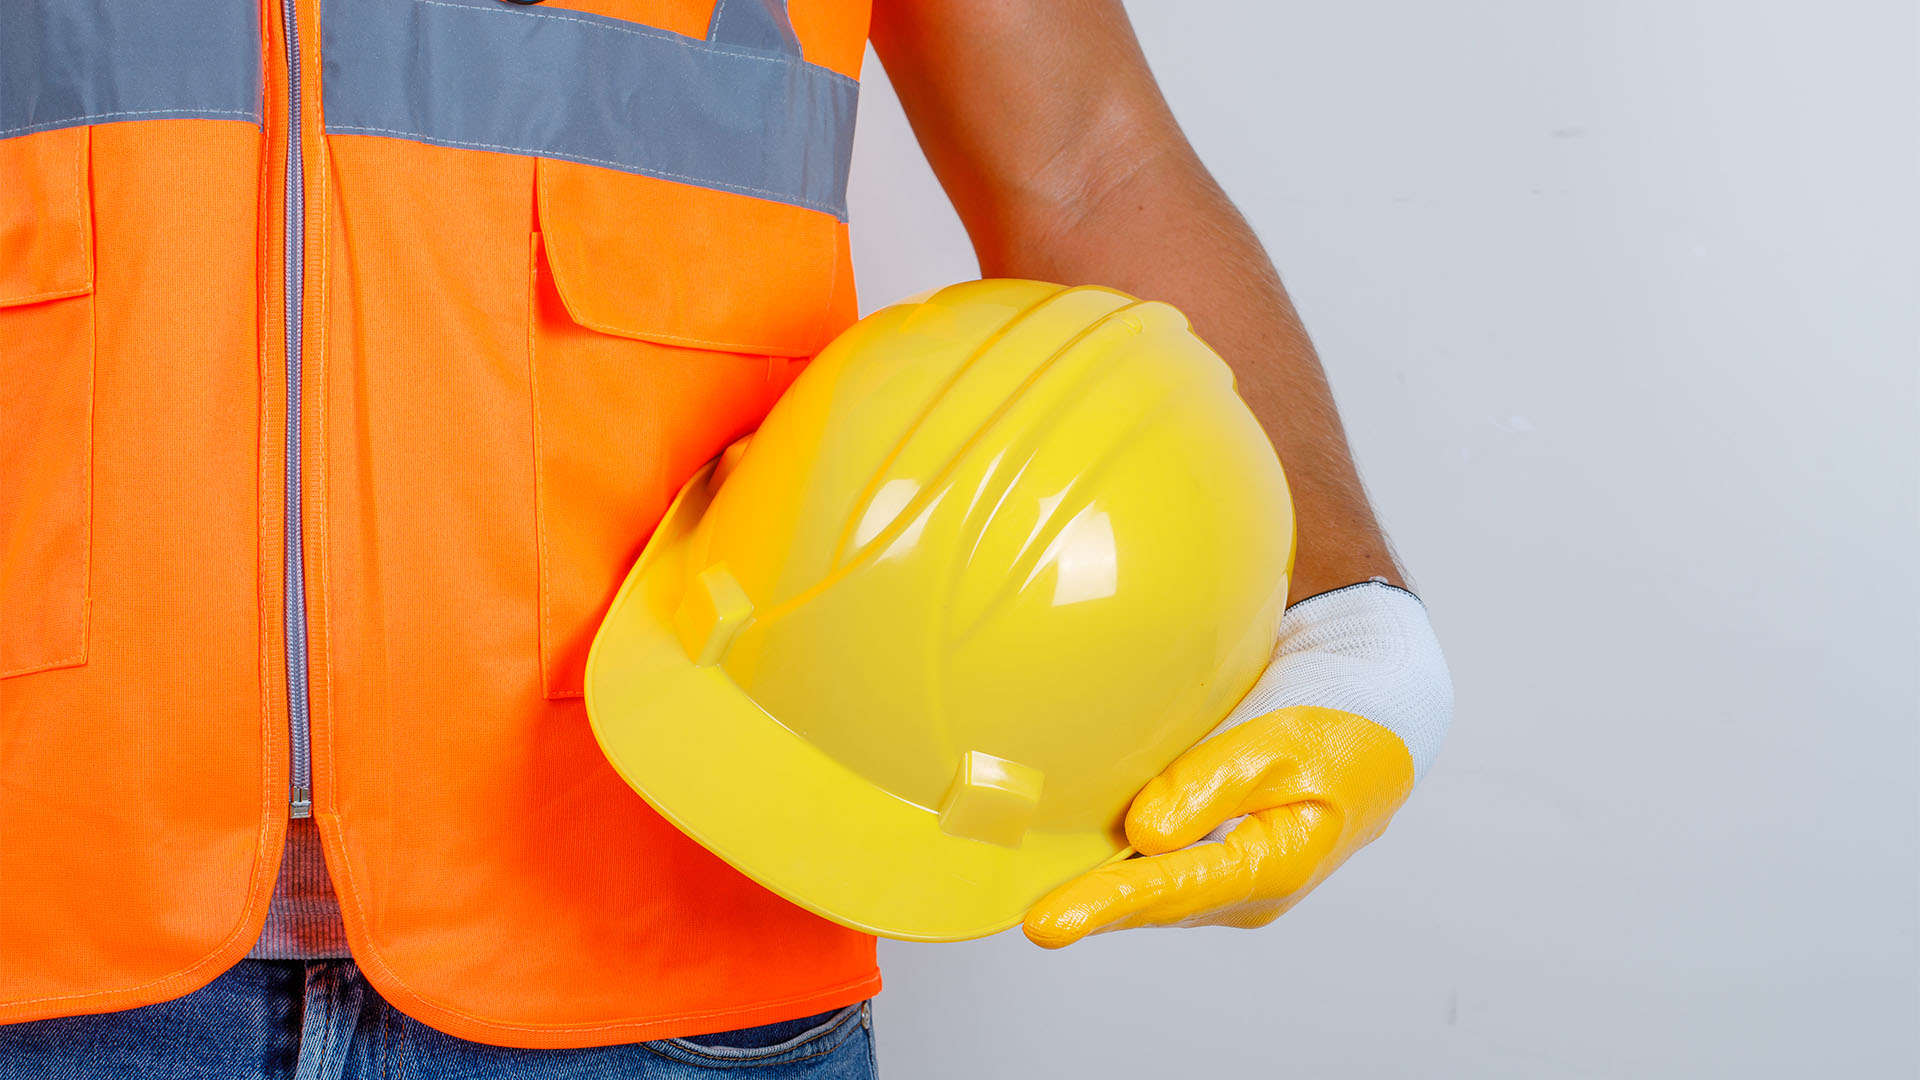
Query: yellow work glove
[{"x": 1307, "y": 770}]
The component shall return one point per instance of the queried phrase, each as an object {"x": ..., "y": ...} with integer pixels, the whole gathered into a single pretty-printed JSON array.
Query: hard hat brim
[{"x": 774, "y": 806}]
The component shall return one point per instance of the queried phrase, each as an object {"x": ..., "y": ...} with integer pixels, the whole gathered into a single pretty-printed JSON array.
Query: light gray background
[{"x": 1619, "y": 303}]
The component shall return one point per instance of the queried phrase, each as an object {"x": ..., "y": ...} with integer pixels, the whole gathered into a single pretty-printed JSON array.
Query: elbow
[{"x": 1091, "y": 174}]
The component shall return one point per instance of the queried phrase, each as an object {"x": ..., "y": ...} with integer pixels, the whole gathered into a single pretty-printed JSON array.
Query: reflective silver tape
[
  {"x": 748, "y": 116},
  {"x": 64, "y": 63}
]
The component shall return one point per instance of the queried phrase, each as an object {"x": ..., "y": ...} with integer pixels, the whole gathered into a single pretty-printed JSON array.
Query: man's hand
[
  {"x": 1314, "y": 786},
  {"x": 1245, "y": 824}
]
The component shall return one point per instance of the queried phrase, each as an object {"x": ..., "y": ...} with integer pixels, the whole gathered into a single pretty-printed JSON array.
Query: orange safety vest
[{"x": 349, "y": 352}]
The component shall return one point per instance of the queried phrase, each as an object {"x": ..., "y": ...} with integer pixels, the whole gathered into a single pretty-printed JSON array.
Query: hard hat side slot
[
  {"x": 992, "y": 799},
  {"x": 711, "y": 615}
]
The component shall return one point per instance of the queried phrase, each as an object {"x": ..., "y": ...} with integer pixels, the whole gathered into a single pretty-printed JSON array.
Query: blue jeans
[{"x": 319, "y": 1020}]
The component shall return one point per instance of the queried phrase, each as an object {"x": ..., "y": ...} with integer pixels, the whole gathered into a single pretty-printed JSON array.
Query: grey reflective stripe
[
  {"x": 64, "y": 63},
  {"x": 484, "y": 75}
]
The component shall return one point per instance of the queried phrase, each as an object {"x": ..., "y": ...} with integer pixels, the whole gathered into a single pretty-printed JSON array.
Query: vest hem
[
  {"x": 462, "y": 1025},
  {"x": 180, "y": 983}
]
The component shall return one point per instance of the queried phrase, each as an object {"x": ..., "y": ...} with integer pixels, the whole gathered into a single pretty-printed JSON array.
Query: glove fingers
[
  {"x": 1222, "y": 777},
  {"x": 1259, "y": 871},
  {"x": 1114, "y": 897}
]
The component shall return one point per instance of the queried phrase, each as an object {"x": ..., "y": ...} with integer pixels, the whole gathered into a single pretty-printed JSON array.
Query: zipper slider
[{"x": 301, "y": 805}]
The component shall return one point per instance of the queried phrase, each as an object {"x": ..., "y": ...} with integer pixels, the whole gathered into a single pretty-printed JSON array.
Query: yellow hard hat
[{"x": 906, "y": 654}]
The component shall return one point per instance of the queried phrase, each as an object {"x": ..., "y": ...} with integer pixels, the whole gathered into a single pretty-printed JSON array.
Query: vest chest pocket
[
  {"x": 46, "y": 399},
  {"x": 665, "y": 320}
]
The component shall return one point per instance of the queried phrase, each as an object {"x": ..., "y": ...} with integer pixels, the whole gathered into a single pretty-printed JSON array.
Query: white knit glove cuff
[
  {"x": 1369, "y": 650},
  {"x": 1366, "y": 649}
]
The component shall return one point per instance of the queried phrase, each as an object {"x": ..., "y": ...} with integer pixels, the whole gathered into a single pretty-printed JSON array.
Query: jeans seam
[
  {"x": 837, "y": 1032},
  {"x": 873, "y": 1051},
  {"x": 770, "y": 1061},
  {"x": 320, "y": 1005}
]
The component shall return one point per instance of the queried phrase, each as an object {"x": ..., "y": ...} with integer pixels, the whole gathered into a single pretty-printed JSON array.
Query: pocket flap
[
  {"x": 679, "y": 264},
  {"x": 46, "y": 217}
]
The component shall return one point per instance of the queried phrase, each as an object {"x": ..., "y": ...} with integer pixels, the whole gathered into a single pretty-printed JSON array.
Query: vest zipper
[{"x": 300, "y": 794}]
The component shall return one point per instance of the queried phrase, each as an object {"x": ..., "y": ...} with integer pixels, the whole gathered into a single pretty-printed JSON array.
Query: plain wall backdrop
[{"x": 1619, "y": 304}]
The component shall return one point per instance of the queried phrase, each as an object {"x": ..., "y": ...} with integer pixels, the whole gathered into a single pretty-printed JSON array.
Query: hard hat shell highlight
[{"x": 994, "y": 560}]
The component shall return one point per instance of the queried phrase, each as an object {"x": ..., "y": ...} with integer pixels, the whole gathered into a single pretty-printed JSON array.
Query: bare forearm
[
  {"x": 1167, "y": 232},
  {"x": 1050, "y": 136}
]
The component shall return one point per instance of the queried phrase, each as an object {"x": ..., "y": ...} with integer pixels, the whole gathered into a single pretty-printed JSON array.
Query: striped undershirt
[{"x": 303, "y": 921}]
